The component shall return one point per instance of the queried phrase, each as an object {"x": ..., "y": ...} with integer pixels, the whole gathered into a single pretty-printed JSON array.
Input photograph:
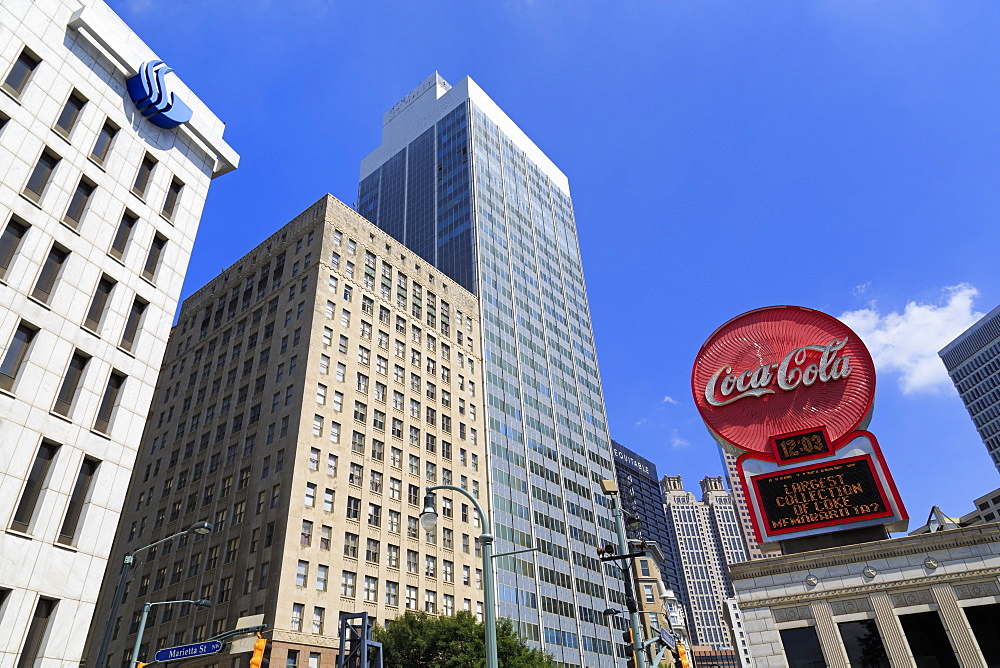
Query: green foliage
[{"x": 418, "y": 640}]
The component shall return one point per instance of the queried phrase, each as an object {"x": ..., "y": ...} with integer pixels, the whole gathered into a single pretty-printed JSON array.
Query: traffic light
[
  {"x": 630, "y": 642},
  {"x": 257, "y": 658},
  {"x": 682, "y": 655}
]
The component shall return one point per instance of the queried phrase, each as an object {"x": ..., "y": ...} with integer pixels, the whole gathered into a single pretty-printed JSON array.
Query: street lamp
[
  {"x": 428, "y": 520},
  {"x": 202, "y": 603},
  {"x": 610, "y": 490},
  {"x": 200, "y": 528}
]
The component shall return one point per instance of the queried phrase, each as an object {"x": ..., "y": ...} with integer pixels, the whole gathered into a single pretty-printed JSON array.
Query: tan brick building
[{"x": 308, "y": 395}]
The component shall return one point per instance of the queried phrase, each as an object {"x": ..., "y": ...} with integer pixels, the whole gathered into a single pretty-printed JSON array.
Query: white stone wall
[{"x": 33, "y": 564}]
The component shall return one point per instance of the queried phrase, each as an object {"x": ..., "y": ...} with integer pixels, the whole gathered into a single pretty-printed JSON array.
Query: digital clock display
[{"x": 801, "y": 446}]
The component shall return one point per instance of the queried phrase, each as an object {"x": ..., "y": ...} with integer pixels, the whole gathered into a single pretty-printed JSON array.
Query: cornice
[
  {"x": 883, "y": 549},
  {"x": 846, "y": 592}
]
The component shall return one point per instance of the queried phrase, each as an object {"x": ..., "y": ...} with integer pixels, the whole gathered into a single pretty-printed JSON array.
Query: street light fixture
[
  {"x": 201, "y": 528},
  {"x": 428, "y": 520},
  {"x": 201, "y": 603}
]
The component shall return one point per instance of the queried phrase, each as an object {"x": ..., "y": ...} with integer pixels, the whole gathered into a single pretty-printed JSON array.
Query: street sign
[
  {"x": 245, "y": 644},
  {"x": 189, "y": 651},
  {"x": 667, "y": 639}
]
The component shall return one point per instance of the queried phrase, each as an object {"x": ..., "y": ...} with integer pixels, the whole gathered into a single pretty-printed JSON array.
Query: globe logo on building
[{"x": 148, "y": 90}]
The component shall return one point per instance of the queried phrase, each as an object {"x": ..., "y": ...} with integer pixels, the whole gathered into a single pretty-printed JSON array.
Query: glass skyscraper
[{"x": 464, "y": 188}]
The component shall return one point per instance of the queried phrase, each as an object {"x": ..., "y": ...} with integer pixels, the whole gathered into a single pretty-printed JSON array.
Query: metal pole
[
  {"x": 637, "y": 648},
  {"x": 489, "y": 595},
  {"x": 115, "y": 604},
  {"x": 138, "y": 636}
]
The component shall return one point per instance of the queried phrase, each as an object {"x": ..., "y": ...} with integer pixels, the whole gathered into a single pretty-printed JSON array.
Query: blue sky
[{"x": 722, "y": 156}]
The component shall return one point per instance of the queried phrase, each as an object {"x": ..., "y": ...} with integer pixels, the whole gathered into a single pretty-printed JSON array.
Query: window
[
  {"x": 37, "y": 480},
  {"x": 318, "y": 615},
  {"x": 78, "y": 204},
  {"x": 49, "y": 274},
  {"x": 99, "y": 303},
  {"x": 351, "y": 545},
  {"x": 302, "y": 574},
  {"x": 109, "y": 402},
  {"x": 19, "y": 75},
  {"x": 322, "y": 576},
  {"x": 102, "y": 147},
  {"x": 394, "y": 520},
  {"x": 297, "y": 611},
  {"x": 353, "y": 508},
  {"x": 70, "y": 114},
  {"x": 132, "y": 323},
  {"x": 37, "y": 630},
  {"x": 173, "y": 194},
  {"x": 10, "y": 241},
  {"x": 153, "y": 259},
  {"x": 142, "y": 178},
  {"x": 17, "y": 352},
  {"x": 392, "y": 593},
  {"x": 310, "y": 498},
  {"x": 374, "y": 515},
  {"x": 71, "y": 383},
  {"x": 411, "y": 598},
  {"x": 371, "y": 588},
  {"x": 347, "y": 579},
  {"x": 123, "y": 234}
]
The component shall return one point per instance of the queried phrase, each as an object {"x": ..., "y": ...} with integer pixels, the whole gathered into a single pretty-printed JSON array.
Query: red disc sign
[{"x": 779, "y": 370}]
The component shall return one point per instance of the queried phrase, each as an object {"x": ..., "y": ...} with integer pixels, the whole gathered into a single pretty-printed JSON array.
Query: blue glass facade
[{"x": 506, "y": 232}]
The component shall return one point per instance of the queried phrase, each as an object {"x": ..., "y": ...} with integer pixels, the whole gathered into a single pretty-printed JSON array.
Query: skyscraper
[
  {"x": 742, "y": 511},
  {"x": 99, "y": 208},
  {"x": 708, "y": 539},
  {"x": 309, "y": 394},
  {"x": 642, "y": 497},
  {"x": 457, "y": 181},
  {"x": 973, "y": 362}
]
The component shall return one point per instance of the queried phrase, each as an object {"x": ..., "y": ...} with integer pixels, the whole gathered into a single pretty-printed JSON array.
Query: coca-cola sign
[{"x": 780, "y": 370}]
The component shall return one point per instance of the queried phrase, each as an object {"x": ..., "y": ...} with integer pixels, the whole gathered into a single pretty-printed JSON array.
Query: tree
[{"x": 418, "y": 640}]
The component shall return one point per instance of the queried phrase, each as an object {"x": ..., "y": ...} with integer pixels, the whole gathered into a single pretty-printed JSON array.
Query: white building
[{"x": 98, "y": 213}]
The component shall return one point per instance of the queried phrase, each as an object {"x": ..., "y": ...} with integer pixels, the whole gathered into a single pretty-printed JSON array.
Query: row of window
[
  {"x": 39, "y": 477},
  {"x": 370, "y": 593},
  {"x": 15, "y": 84},
  {"x": 14, "y": 361}
]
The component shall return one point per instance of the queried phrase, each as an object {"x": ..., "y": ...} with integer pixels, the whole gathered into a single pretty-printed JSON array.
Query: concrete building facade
[
  {"x": 926, "y": 600},
  {"x": 457, "y": 181},
  {"x": 709, "y": 540},
  {"x": 973, "y": 362},
  {"x": 309, "y": 394},
  {"x": 99, "y": 209}
]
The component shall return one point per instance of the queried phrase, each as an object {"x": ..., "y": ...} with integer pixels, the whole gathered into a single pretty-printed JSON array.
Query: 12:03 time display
[{"x": 801, "y": 446}]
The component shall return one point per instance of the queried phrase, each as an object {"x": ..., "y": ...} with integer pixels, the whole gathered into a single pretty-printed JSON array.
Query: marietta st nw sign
[{"x": 189, "y": 651}]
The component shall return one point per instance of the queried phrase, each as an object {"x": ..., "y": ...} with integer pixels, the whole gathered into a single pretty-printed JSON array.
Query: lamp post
[
  {"x": 203, "y": 603},
  {"x": 201, "y": 528},
  {"x": 428, "y": 520},
  {"x": 610, "y": 490}
]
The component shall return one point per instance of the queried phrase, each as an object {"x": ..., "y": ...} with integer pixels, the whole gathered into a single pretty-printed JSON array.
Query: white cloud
[
  {"x": 676, "y": 441},
  {"x": 907, "y": 343},
  {"x": 669, "y": 400}
]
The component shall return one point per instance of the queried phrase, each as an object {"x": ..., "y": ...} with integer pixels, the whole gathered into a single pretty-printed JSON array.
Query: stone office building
[
  {"x": 926, "y": 600},
  {"x": 99, "y": 208},
  {"x": 308, "y": 395}
]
